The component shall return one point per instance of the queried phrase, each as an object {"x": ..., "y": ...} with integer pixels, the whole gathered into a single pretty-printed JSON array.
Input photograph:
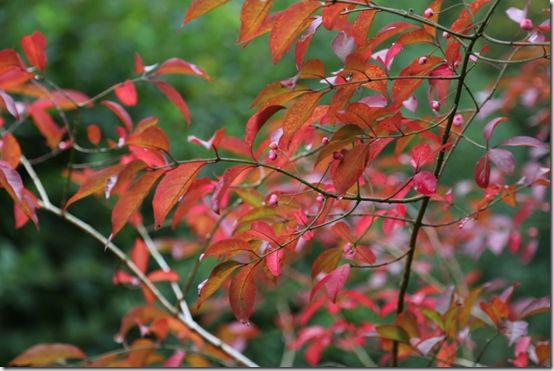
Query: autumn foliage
[{"x": 337, "y": 188}]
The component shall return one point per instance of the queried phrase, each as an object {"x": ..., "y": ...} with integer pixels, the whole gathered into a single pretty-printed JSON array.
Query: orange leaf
[
  {"x": 152, "y": 137},
  {"x": 140, "y": 255},
  {"x": 131, "y": 200},
  {"x": 13, "y": 77},
  {"x": 8, "y": 59},
  {"x": 94, "y": 134},
  {"x": 290, "y": 23},
  {"x": 174, "y": 96},
  {"x": 252, "y": 16},
  {"x": 257, "y": 120},
  {"x": 94, "y": 183},
  {"x": 229, "y": 247},
  {"x": 120, "y": 112},
  {"x": 326, "y": 261},
  {"x": 224, "y": 183},
  {"x": 138, "y": 64},
  {"x": 199, "y": 7},
  {"x": 47, "y": 354},
  {"x": 10, "y": 150},
  {"x": 242, "y": 293},
  {"x": 161, "y": 275},
  {"x": 46, "y": 125},
  {"x": 298, "y": 114},
  {"x": 172, "y": 187},
  {"x": 218, "y": 275},
  {"x": 436, "y": 7},
  {"x": 402, "y": 89},
  {"x": 34, "y": 46},
  {"x": 350, "y": 168},
  {"x": 126, "y": 93},
  {"x": 464, "y": 22},
  {"x": 179, "y": 66},
  {"x": 361, "y": 26}
]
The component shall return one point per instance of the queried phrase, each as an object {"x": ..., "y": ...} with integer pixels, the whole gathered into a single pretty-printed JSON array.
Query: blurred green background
[{"x": 55, "y": 284}]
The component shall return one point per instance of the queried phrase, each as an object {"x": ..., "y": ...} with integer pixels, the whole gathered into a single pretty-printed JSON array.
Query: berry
[
  {"x": 422, "y": 60},
  {"x": 319, "y": 199},
  {"x": 445, "y": 35},
  {"x": 273, "y": 145},
  {"x": 273, "y": 200},
  {"x": 324, "y": 140},
  {"x": 337, "y": 155},
  {"x": 428, "y": 13},
  {"x": 458, "y": 120},
  {"x": 435, "y": 105},
  {"x": 272, "y": 155},
  {"x": 526, "y": 24}
]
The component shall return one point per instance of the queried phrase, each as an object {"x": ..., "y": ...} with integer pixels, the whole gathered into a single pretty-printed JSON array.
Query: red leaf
[
  {"x": 402, "y": 89},
  {"x": 47, "y": 354},
  {"x": 26, "y": 210},
  {"x": 365, "y": 254},
  {"x": 13, "y": 77},
  {"x": 488, "y": 129},
  {"x": 503, "y": 159},
  {"x": 126, "y": 93},
  {"x": 343, "y": 231},
  {"x": 10, "y": 150},
  {"x": 46, "y": 125},
  {"x": 8, "y": 59},
  {"x": 120, "y": 112},
  {"x": 274, "y": 261},
  {"x": 152, "y": 137},
  {"x": 199, "y": 7},
  {"x": 174, "y": 96},
  {"x": 176, "y": 359},
  {"x": 421, "y": 154},
  {"x": 94, "y": 134},
  {"x": 252, "y": 15},
  {"x": 242, "y": 293},
  {"x": 218, "y": 275},
  {"x": 229, "y": 247},
  {"x": 140, "y": 255},
  {"x": 289, "y": 24},
  {"x": 257, "y": 120},
  {"x": 172, "y": 187},
  {"x": 34, "y": 46},
  {"x": 11, "y": 182},
  {"x": 361, "y": 26},
  {"x": 161, "y": 275},
  {"x": 350, "y": 168},
  {"x": 139, "y": 64},
  {"x": 482, "y": 171},
  {"x": 425, "y": 183},
  {"x": 496, "y": 310},
  {"x": 224, "y": 183},
  {"x": 326, "y": 261},
  {"x": 131, "y": 200},
  {"x": 297, "y": 114},
  {"x": 336, "y": 281},
  {"x": 180, "y": 66}
]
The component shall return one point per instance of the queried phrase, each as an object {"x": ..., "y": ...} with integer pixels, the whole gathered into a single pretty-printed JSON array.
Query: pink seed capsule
[
  {"x": 526, "y": 24},
  {"x": 337, "y": 155},
  {"x": 273, "y": 145},
  {"x": 272, "y": 155},
  {"x": 435, "y": 105},
  {"x": 324, "y": 140},
  {"x": 458, "y": 120},
  {"x": 456, "y": 64},
  {"x": 273, "y": 200},
  {"x": 422, "y": 60},
  {"x": 319, "y": 199},
  {"x": 445, "y": 35},
  {"x": 428, "y": 13},
  {"x": 348, "y": 250}
]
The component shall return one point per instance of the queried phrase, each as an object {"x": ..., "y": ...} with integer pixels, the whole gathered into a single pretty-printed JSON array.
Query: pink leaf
[
  {"x": 503, "y": 159},
  {"x": 336, "y": 281},
  {"x": 343, "y": 45},
  {"x": 274, "y": 262},
  {"x": 516, "y": 15},
  {"x": 176, "y": 359},
  {"x": 425, "y": 183},
  {"x": 488, "y": 129},
  {"x": 126, "y": 93},
  {"x": 524, "y": 141},
  {"x": 482, "y": 171},
  {"x": 421, "y": 154}
]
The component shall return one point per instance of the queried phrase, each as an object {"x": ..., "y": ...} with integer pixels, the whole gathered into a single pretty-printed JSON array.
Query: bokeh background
[{"x": 55, "y": 284}]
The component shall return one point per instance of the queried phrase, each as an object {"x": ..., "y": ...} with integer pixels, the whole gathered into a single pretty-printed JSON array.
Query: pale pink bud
[
  {"x": 458, "y": 120},
  {"x": 422, "y": 60},
  {"x": 319, "y": 199},
  {"x": 456, "y": 64},
  {"x": 272, "y": 155},
  {"x": 435, "y": 105},
  {"x": 348, "y": 250},
  {"x": 445, "y": 35},
  {"x": 324, "y": 140},
  {"x": 526, "y": 24},
  {"x": 273, "y": 200},
  {"x": 428, "y": 13}
]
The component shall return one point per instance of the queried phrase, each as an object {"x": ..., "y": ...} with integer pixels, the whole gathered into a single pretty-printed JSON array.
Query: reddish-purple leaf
[
  {"x": 524, "y": 141},
  {"x": 257, "y": 120},
  {"x": 8, "y": 102},
  {"x": 503, "y": 159},
  {"x": 126, "y": 93},
  {"x": 174, "y": 96},
  {"x": 11, "y": 182},
  {"x": 336, "y": 281},
  {"x": 274, "y": 261},
  {"x": 425, "y": 183},
  {"x": 489, "y": 128},
  {"x": 343, "y": 45},
  {"x": 34, "y": 47},
  {"x": 242, "y": 293},
  {"x": 350, "y": 168},
  {"x": 482, "y": 171},
  {"x": 172, "y": 187},
  {"x": 224, "y": 183}
]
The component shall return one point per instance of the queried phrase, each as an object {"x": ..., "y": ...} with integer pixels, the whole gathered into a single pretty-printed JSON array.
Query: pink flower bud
[
  {"x": 273, "y": 145},
  {"x": 348, "y": 250},
  {"x": 337, "y": 155},
  {"x": 435, "y": 105},
  {"x": 456, "y": 64},
  {"x": 319, "y": 199},
  {"x": 458, "y": 120},
  {"x": 428, "y": 13},
  {"x": 324, "y": 140},
  {"x": 526, "y": 24},
  {"x": 422, "y": 60},
  {"x": 273, "y": 200},
  {"x": 445, "y": 35},
  {"x": 272, "y": 155}
]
